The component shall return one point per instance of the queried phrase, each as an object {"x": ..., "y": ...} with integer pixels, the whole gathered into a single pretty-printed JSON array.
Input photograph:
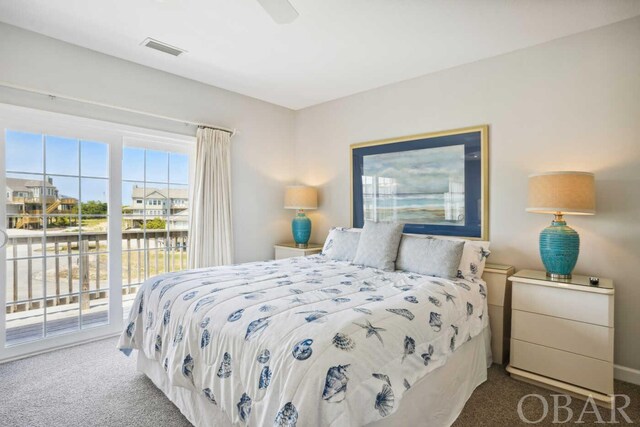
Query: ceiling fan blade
[{"x": 280, "y": 11}]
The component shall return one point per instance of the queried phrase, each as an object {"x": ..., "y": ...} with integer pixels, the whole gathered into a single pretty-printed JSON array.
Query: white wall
[
  {"x": 570, "y": 104},
  {"x": 573, "y": 103},
  {"x": 262, "y": 154}
]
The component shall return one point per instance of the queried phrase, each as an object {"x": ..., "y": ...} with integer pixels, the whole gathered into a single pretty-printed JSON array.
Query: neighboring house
[
  {"x": 28, "y": 192},
  {"x": 168, "y": 204},
  {"x": 27, "y": 200},
  {"x": 179, "y": 221}
]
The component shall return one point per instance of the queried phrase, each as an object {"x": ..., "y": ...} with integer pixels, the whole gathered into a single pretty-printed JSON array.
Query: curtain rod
[{"x": 115, "y": 107}]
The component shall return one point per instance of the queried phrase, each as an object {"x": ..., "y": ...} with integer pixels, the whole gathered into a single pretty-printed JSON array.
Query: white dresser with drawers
[
  {"x": 562, "y": 334},
  {"x": 290, "y": 250}
]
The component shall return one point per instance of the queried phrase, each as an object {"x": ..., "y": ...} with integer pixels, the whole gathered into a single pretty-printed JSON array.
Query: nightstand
[
  {"x": 562, "y": 334},
  {"x": 290, "y": 250},
  {"x": 496, "y": 277}
]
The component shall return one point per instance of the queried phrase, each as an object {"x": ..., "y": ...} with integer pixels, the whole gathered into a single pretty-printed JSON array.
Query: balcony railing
[
  {"x": 68, "y": 267},
  {"x": 38, "y": 199}
]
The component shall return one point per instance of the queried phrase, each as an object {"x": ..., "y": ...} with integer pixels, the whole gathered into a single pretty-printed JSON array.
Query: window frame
[
  {"x": 116, "y": 136},
  {"x": 155, "y": 207}
]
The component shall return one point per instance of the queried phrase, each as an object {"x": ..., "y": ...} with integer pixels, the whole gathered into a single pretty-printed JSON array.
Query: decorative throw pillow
[
  {"x": 378, "y": 246},
  {"x": 341, "y": 244},
  {"x": 329, "y": 240},
  {"x": 474, "y": 258},
  {"x": 428, "y": 256}
]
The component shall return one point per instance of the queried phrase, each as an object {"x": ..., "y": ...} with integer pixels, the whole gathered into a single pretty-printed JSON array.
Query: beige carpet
[
  {"x": 495, "y": 403},
  {"x": 95, "y": 385}
]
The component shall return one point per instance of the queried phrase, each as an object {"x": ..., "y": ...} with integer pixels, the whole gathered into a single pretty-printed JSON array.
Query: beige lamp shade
[
  {"x": 564, "y": 192},
  {"x": 300, "y": 197}
]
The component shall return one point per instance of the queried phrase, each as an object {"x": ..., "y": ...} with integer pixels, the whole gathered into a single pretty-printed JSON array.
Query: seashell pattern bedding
[{"x": 302, "y": 341}]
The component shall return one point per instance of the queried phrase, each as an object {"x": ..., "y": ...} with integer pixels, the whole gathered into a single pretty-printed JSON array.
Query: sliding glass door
[
  {"x": 57, "y": 226},
  {"x": 90, "y": 211},
  {"x": 155, "y": 213}
]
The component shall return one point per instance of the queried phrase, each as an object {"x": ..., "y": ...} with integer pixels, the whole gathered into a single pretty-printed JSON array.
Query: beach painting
[
  {"x": 420, "y": 186},
  {"x": 434, "y": 183}
]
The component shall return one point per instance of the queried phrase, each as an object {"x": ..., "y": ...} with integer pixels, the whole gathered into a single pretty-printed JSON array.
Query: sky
[{"x": 86, "y": 164}]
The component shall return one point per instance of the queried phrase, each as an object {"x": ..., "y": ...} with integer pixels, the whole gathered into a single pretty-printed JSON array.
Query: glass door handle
[{"x": 5, "y": 238}]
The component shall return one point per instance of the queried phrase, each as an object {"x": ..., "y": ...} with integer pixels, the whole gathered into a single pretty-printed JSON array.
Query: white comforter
[{"x": 302, "y": 341}]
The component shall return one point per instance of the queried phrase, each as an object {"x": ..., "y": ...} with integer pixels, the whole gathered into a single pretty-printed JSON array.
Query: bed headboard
[{"x": 499, "y": 300}]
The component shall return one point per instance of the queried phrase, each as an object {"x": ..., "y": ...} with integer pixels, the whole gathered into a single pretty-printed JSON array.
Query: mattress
[{"x": 302, "y": 341}]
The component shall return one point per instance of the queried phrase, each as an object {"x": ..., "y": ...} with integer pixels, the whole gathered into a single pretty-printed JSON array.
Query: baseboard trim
[
  {"x": 60, "y": 347},
  {"x": 601, "y": 399},
  {"x": 625, "y": 374}
]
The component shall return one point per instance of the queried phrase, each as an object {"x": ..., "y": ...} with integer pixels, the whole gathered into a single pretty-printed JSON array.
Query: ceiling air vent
[{"x": 162, "y": 47}]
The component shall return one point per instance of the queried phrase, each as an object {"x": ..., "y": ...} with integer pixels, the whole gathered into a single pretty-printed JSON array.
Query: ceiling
[{"x": 335, "y": 48}]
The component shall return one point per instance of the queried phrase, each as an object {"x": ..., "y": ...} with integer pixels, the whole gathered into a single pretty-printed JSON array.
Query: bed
[{"x": 310, "y": 341}]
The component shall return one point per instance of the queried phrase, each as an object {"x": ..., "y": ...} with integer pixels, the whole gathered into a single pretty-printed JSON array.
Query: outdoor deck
[
  {"x": 29, "y": 326},
  {"x": 34, "y": 331}
]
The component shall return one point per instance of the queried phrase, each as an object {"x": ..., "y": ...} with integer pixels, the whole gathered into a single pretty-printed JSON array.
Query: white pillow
[
  {"x": 341, "y": 244},
  {"x": 474, "y": 258}
]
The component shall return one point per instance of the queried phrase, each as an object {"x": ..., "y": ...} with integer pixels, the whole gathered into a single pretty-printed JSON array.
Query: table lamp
[
  {"x": 561, "y": 193},
  {"x": 300, "y": 198}
]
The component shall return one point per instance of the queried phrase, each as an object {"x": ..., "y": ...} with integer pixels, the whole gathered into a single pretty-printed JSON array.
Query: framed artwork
[{"x": 435, "y": 183}]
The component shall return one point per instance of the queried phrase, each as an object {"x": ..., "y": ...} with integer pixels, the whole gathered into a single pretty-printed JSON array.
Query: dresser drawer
[
  {"x": 569, "y": 304},
  {"x": 562, "y": 334},
  {"x": 497, "y": 288},
  {"x": 283, "y": 252},
  {"x": 572, "y": 368}
]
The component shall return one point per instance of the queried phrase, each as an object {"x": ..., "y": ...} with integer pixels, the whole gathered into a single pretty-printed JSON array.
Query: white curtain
[{"x": 210, "y": 227}]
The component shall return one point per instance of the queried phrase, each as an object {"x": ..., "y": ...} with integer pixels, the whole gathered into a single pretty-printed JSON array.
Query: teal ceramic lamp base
[
  {"x": 301, "y": 229},
  {"x": 559, "y": 248}
]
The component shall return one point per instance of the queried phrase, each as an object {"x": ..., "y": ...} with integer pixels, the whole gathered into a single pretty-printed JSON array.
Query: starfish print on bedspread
[{"x": 371, "y": 330}]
